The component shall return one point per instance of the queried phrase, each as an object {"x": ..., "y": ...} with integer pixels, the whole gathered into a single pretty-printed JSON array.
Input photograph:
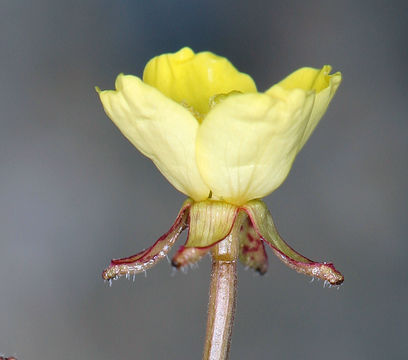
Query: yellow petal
[
  {"x": 161, "y": 129},
  {"x": 247, "y": 143},
  {"x": 318, "y": 80},
  {"x": 192, "y": 79}
]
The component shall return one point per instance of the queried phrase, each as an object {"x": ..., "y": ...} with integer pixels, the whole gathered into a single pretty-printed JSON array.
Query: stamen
[{"x": 194, "y": 112}]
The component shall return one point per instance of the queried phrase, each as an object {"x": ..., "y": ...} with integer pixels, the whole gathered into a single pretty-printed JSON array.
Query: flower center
[
  {"x": 194, "y": 112},
  {"x": 214, "y": 100},
  {"x": 194, "y": 80}
]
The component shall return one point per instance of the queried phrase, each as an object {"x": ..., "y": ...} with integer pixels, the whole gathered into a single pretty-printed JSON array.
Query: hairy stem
[
  {"x": 223, "y": 291},
  {"x": 221, "y": 310}
]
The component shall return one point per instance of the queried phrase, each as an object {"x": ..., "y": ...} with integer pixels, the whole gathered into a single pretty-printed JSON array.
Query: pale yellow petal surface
[
  {"x": 247, "y": 143},
  {"x": 161, "y": 129},
  {"x": 193, "y": 79},
  {"x": 318, "y": 80}
]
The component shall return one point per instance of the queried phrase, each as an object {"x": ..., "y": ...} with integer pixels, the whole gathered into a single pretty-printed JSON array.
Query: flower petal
[
  {"x": 161, "y": 129},
  {"x": 149, "y": 257},
  {"x": 263, "y": 224},
  {"x": 318, "y": 80},
  {"x": 247, "y": 142},
  {"x": 251, "y": 248},
  {"x": 194, "y": 78}
]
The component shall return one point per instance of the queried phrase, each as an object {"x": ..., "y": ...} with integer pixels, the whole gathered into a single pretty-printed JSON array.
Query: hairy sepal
[
  {"x": 149, "y": 257},
  {"x": 262, "y": 223}
]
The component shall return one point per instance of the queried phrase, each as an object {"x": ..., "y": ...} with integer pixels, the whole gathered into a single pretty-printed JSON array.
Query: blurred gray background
[{"x": 74, "y": 193}]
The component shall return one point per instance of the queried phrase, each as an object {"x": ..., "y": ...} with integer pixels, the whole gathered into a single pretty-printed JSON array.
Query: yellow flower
[
  {"x": 208, "y": 130},
  {"x": 220, "y": 142}
]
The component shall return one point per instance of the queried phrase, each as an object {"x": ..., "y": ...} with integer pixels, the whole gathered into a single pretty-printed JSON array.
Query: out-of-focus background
[{"x": 74, "y": 192}]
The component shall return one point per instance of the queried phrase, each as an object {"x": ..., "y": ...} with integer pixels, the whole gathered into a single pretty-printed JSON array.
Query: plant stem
[
  {"x": 221, "y": 310},
  {"x": 223, "y": 291}
]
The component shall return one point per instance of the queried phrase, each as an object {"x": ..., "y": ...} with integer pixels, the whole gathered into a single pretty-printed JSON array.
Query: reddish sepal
[
  {"x": 149, "y": 257},
  {"x": 188, "y": 256},
  {"x": 262, "y": 222},
  {"x": 252, "y": 251}
]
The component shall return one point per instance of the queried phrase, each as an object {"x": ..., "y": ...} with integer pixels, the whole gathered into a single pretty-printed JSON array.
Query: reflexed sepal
[
  {"x": 188, "y": 256},
  {"x": 263, "y": 224},
  {"x": 251, "y": 248},
  {"x": 149, "y": 257},
  {"x": 209, "y": 222}
]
